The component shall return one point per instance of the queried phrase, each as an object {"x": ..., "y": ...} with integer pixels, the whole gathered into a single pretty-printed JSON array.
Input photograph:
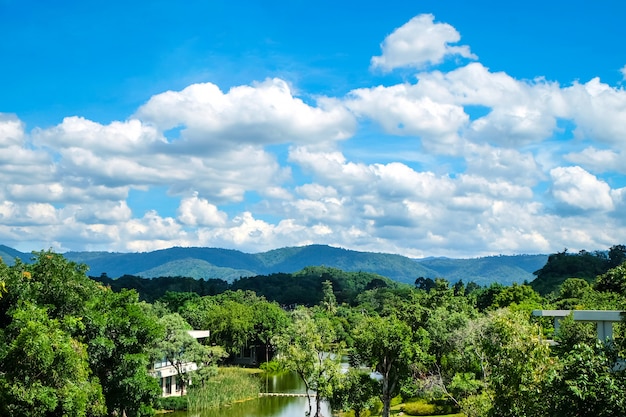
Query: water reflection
[{"x": 267, "y": 406}]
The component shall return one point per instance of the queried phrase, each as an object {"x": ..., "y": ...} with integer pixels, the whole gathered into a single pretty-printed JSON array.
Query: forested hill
[
  {"x": 229, "y": 264},
  {"x": 9, "y": 255},
  {"x": 483, "y": 271}
]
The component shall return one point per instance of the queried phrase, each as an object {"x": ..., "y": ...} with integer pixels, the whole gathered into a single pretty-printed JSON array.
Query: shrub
[
  {"x": 171, "y": 403},
  {"x": 422, "y": 408},
  {"x": 395, "y": 401},
  {"x": 272, "y": 367}
]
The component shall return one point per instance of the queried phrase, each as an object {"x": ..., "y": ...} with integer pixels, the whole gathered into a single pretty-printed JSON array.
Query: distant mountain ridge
[
  {"x": 9, "y": 255},
  {"x": 229, "y": 264}
]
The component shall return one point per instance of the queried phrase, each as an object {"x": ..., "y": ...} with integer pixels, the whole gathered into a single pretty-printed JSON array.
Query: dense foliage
[
  {"x": 303, "y": 287},
  {"x": 71, "y": 346},
  {"x": 229, "y": 265},
  {"x": 585, "y": 265}
]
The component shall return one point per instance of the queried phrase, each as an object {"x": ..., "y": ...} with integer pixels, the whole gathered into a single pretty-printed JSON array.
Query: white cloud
[
  {"x": 623, "y": 71},
  {"x": 117, "y": 138},
  {"x": 437, "y": 109},
  {"x": 599, "y": 111},
  {"x": 505, "y": 164},
  {"x": 519, "y": 112},
  {"x": 151, "y": 232},
  {"x": 490, "y": 188},
  {"x": 194, "y": 211},
  {"x": 396, "y": 180},
  {"x": 316, "y": 191},
  {"x": 598, "y": 160},
  {"x": 619, "y": 197},
  {"x": 19, "y": 163},
  {"x": 420, "y": 42},
  {"x": 460, "y": 168},
  {"x": 130, "y": 160},
  {"x": 246, "y": 229},
  {"x": 577, "y": 188},
  {"x": 276, "y": 192},
  {"x": 11, "y": 131},
  {"x": 261, "y": 114},
  {"x": 327, "y": 210},
  {"x": 512, "y": 126},
  {"x": 104, "y": 212},
  {"x": 58, "y": 192},
  {"x": 402, "y": 110},
  {"x": 30, "y": 214}
]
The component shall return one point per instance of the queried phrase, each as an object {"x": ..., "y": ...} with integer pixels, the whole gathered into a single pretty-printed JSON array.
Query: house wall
[
  {"x": 167, "y": 377},
  {"x": 167, "y": 373}
]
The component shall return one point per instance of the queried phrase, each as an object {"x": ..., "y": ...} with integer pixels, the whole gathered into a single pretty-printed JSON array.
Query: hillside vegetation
[
  {"x": 437, "y": 346},
  {"x": 229, "y": 265},
  {"x": 584, "y": 265},
  {"x": 303, "y": 287}
]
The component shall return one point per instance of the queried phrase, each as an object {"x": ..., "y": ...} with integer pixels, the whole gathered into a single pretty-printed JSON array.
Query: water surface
[{"x": 267, "y": 406}]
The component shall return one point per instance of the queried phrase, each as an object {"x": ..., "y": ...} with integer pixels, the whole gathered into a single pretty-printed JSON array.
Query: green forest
[{"x": 74, "y": 345}]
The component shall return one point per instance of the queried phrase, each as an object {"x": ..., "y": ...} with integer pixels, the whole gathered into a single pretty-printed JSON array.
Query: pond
[{"x": 267, "y": 406}]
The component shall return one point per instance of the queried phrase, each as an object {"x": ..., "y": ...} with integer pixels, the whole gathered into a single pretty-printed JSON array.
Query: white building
[{"x": 167, "y": 373}]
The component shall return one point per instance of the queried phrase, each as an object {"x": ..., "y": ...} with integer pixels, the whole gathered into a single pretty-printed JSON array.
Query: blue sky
[{"x": 425, "y": 128}]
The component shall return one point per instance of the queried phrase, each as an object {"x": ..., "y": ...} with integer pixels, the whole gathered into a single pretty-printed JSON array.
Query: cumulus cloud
[
  {"x": 437, "y": 109},
  {"x": 402, "y": 110},
  {"x": 420, "y": 42},
  {"x": 11, "y": 130},
  {"x": 194, "y": 211},
  {"x": 116, "y": 138},
  {"x": 577, "y": 188},
  {"x": 29, "y": 214},
  {"x": 519, "y": 112},
  {"x": 599, "y": 111},
  {"x": 260, "y": 114},
  {"x": 115, "y": 159},
  {"x": 598, "y": 160},
  {"x": 496, "y": 163},
  {"x": 20, "y": 163},
  {"x": 261, "y": 166}
]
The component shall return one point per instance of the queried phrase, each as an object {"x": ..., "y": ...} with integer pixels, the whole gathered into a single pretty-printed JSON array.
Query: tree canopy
[{"x": 71, "y": 346}]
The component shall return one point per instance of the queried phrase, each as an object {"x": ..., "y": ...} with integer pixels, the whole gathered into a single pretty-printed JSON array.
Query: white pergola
[
  {"x": 604, "y": 319},
  {"x": 199, "y": 334}
]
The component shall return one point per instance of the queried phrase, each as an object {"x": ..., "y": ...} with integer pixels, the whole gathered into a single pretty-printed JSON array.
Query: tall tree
[
  {"x": 270, "y": 320},
  {"x": 614, "y": 280},
  {"x": 43, "y": 370},
  {"x": 179, "y": 348},
  {"x": 230, "y": 317},
  {"x": 588, "y": 385},
  {"x": 110, "y": 327},
  {"x": 120, "y": 334},
  {"x": 306, "y": 348},
  {"x": 355, "y": 391},
  {"x": 388, "y": 345},
  {"x": 617, "y": 255},
  {"x": 329, "y": 302},
  {"x": 519, "y": 364}
]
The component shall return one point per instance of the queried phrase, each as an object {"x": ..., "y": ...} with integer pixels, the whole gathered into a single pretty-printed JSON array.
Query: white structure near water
[
  {"x": 167, "y": 373},
  {"x": 604, "y": 319}
]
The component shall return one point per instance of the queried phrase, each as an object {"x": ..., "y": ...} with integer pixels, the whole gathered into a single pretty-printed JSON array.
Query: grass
[
  {"x": 228, "y": 386},
  {"x": 423, "y": 409},
  {"x": 409, "y": 408}
]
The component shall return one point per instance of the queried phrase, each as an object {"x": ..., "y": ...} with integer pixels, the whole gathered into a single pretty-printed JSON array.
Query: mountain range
[{"x": 228, "y": 264}]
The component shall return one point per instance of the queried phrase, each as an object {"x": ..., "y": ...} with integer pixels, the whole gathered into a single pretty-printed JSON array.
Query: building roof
[
  {"x": 584, "y": 315},
  {"x": 199, "y": 334}
]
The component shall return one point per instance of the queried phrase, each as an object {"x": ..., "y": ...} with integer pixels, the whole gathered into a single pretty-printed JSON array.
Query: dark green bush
[
  {"x": 272, "y": 367},
  {"x": 172, "y": 403},
  {"x": 422, "y": 408}
]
